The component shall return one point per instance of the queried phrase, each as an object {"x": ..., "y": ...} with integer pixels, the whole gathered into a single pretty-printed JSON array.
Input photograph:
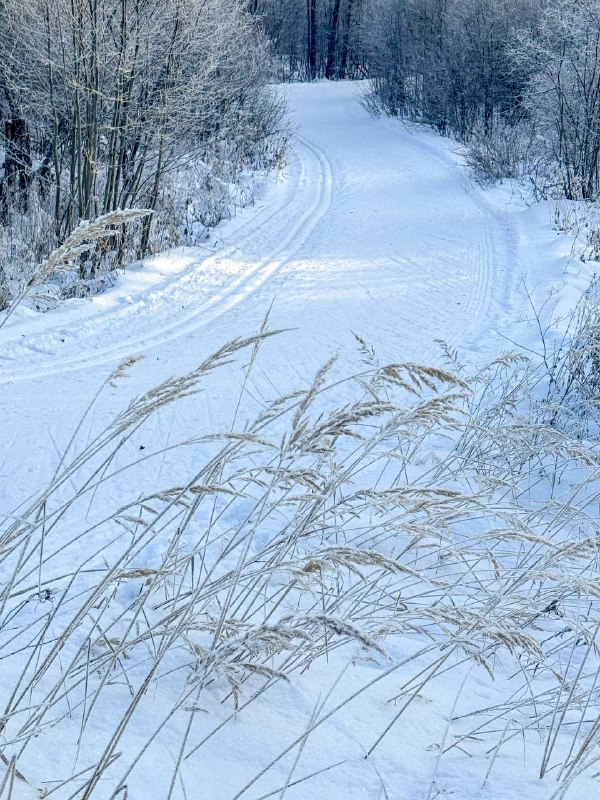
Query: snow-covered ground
[{"x": 372, "y": 229}]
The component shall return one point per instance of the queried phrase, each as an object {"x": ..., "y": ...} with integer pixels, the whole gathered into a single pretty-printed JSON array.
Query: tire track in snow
[{"x": 317, "y": 174}]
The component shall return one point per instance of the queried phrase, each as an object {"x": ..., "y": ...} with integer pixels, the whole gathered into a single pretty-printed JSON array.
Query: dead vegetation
[{"x": 425, "y": 508}]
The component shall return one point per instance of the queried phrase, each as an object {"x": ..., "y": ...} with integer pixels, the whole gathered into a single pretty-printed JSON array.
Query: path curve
[{"x": 376, "y": 231}]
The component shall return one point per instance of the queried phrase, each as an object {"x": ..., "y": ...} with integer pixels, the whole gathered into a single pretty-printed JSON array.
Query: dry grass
[
  {"x": 67, "y": 258},
  {"x": 427, "y": 506}
]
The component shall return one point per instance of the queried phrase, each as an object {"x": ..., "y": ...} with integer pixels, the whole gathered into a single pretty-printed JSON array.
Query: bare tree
[
  {"x": 117, "y": 94},
  {"x": 448, "y": 62},
  {"x": 563, "y": 95}
]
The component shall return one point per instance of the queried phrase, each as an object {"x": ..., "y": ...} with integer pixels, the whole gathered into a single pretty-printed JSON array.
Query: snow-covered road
[{"x": 374, "y": 229}]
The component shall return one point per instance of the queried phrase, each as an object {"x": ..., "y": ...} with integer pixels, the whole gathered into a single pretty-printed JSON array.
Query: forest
[{"x": 518, "y": 81}]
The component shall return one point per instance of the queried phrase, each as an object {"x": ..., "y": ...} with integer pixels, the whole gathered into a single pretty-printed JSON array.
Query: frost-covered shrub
[
  {"x": 506, "y": 151},
  {"x": 573, "y": 394}
]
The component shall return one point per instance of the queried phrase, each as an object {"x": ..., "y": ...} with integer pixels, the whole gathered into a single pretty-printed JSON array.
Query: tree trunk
[
  {"x": 4, "y": 290},
  {"x": 332, "y": 47},
  {"x": 312, "y": 39},
  {"x": 343, "y": 70},
  {"x": 17, "y": 161}
]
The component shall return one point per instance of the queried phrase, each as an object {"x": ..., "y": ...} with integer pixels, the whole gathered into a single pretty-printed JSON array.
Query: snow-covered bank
[{"x": 377, "y": 232}]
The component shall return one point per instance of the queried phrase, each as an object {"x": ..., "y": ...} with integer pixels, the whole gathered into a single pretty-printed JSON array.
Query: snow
[{"x": 373, "y": 228}]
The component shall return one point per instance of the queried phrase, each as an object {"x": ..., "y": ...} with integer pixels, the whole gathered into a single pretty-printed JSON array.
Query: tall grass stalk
[{"x": 417, "y": 522}]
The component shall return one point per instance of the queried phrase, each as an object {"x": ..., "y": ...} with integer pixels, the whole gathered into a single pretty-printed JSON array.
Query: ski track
[
  {"x": 279, "y": 241},
  {"x": 498, "y": 247},
  {"x": 493, "y": 264},
  {"x": 316, "y": 173}
]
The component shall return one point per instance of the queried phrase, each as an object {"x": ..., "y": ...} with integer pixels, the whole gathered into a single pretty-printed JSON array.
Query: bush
[
  {"x": 507, "y": 151},
  {"x": 184, "y": 84}
]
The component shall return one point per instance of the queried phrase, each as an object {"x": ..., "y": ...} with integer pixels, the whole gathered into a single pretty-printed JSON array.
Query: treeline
[
  {"x": 517, "y": 80},
  {"x": 450, "y": 62},
  {"x": 315, "y": 38},
  {"x": 113, "y": 104}
]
